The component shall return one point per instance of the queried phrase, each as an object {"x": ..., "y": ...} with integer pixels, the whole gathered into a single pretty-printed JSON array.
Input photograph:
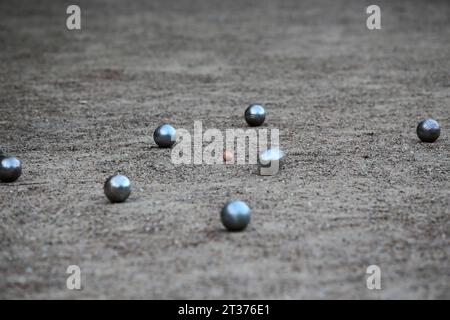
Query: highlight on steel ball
[
  {"x": 10, "y": 168},
  {"x": 428, "y": 130}
]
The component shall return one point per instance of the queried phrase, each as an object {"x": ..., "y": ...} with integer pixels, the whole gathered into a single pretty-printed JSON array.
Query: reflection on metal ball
[
  {"x": 10, "y": 169},
  {"x": 228, "y": 156},
  {"x": 235, "y": 215},
  {"x": 428, "y": 130},
  {"x": 255, "y": 115},
  {"x": 165, "y": 136},
  {"x": 270, "y": 161},
  {"x": 117, "y": 188}
]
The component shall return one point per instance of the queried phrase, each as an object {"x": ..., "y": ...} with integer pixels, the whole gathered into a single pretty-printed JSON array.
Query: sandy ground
[{"x": 357, "y": 187}]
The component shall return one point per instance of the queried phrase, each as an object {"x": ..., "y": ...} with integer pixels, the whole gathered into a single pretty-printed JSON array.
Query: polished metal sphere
[
  {"x": 117, "y": 188},
  {"x": 10, "y": 169},
  {"x": 428, "y": 130},
  {"x": 255, "y": 115},
  {"x": 165, "y": 135},
  {"x": 271, "y": 154},
  {"x": 235, "y": 215}
]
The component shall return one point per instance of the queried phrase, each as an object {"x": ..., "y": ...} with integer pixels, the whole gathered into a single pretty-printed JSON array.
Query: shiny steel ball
[
  {"x": 117, "y": 188},
  {"x": 270, "y": 161},
  {"x": 10, "y": 169},
  {"x": 165, "y": 136},
  {"x": 235, "y": 215},
  {"x": 428, "y": 130},
  {"x": 271, "y": 154},
  {"x": 255, "y": 115}
]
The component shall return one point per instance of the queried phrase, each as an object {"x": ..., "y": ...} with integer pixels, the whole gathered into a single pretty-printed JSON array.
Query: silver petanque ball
[
  {"x": 10, "y": 169},
  {"x": 428, "y": 130},
  {"x": 165, "y": 136},
  {"x": 117, "y": 188},
  {"x": 255, "y": 115},
  {"x": 270, "y": 161},
  {"x": 235, "y": 215}
]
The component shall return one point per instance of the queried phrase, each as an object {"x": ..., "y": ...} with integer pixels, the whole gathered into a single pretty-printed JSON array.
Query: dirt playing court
[{"x": 357, "y": 187}]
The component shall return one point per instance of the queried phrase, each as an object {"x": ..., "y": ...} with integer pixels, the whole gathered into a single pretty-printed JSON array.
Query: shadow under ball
[
  {"x": 235, "y": 215},
  {"x": 165, "y": 135},
  {"x": 117, "y": 188},
  {"x": 10, "y": 169},
  {"x": 428, "y": 130},
  {"x": 255, "y": 115}
]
